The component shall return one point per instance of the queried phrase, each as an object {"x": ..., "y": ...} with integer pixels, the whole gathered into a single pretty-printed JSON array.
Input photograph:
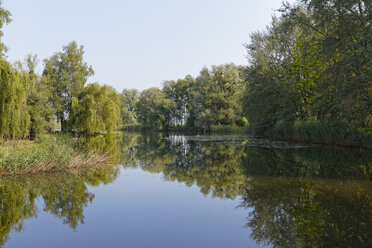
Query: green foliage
[
  {"x": 56, "y": 153},
  {"x": 14, "y": 117},
  {"x": 269, "y": 97},
  {"x": 241, "y": 122},
  {"x": 181, "y": 93},
  {"x": 38, "y": 94},
  {"x": 313, "y": 63},
  {"x": 309, "y": 79},
  {"x": 128, "y": 101},
  {"x": 322, "y": 132},
  {"x": 302, "y": 197},
  {"x": 66, "y": 74},
  {"x": 5, "y": 18},
  {"x": 213, "y": 98},
  {"x": 218, "y": 95},
  {"x": 57, "y": 150},
  {"x": 154, "y": 109},
  {"x": 228, "y": 129},
  {"x": 95, "y": 110},
  {"x": 294, "y": 196},
  {"x": 65, "y": 196}
]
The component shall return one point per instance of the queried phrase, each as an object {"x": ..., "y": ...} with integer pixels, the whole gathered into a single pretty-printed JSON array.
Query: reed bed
[
  {"x": 318, "y": 132},
  {"x": 47, "y": 153}
]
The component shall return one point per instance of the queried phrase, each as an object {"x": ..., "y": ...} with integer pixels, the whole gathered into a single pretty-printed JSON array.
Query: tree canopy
[
  {"x": 308, "y": 78},
  {"x": 66, "y": 74}
]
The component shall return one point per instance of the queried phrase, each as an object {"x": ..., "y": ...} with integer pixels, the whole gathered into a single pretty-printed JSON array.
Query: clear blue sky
[{"x": 138, "y": 43}]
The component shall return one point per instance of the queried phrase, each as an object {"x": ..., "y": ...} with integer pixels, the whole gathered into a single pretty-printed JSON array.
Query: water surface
[{"x": 196, "y": 191}]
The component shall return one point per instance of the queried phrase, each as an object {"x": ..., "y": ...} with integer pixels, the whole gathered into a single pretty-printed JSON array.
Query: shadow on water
[{"x": 295, "y": 196}]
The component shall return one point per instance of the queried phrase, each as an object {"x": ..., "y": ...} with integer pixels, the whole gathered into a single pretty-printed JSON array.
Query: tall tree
[
  {"x": 154, "y": 109},
  {"x": 342, "y": 33},
  {"x": 277, "y": 89},
  {"x": 218, "y": 94},
  {"x": 5, "y": 18},
  {"x": 95, "y": 110},
  {"x": 39, "y": 108},
  {"x": 66, "y": 74},
  {"x": 14, "y": 118},
  {"x": 180, "y": 93},
  {"x": 128, "y": 100}
]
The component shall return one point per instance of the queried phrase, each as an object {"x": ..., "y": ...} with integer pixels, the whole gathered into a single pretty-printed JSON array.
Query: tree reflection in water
[
  {"x": 294, "y": 196},
  {"x": 65, "y": 195}
]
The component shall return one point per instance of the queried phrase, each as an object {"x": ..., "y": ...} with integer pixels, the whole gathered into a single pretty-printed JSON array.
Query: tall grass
[
  {"x": 323, "y": 133},
  {"x": 50, "y": 152}
]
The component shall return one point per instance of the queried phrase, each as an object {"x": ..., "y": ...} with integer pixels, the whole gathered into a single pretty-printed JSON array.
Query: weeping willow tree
[
  {"x": 14, "y": 116},
  {"x": 39, "y": 107},
  {"x": 95, "y": 110}
]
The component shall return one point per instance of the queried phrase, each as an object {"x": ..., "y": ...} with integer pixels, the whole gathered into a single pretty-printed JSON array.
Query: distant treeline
[
  {"x": 213, "y": 98},
  {"x": 309, "y": 78}
]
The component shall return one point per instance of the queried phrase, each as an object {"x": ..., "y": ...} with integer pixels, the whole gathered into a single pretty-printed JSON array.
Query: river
[{"x": 171, "y": 190}]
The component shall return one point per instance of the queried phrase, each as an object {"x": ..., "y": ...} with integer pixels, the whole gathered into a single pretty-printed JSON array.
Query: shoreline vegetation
[
  {"x": 49, "y": 153},
  {"x": 302, "y": 132},
  {"x": 312, "y": 188},
  {"x": 308, "y": 79}
]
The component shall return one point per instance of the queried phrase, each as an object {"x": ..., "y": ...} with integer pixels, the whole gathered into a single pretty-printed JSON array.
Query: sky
[{"x": 138, "y": 43}]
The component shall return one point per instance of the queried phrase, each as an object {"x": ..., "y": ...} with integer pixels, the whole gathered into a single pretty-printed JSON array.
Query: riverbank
[
  {"x": 311, "y": 132},
  {"x": 47, "y": 153},
  {"x": 187, "y": 129},
  {"x": 323, "y": 133}
]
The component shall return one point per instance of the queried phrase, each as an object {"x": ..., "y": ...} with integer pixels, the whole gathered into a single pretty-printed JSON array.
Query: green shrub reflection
[
  {"x": 296, "y": 196},
  {"x": 65, "y": 195}
]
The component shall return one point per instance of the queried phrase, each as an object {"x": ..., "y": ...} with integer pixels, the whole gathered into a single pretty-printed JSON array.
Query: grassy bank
[
  {"x": 326, "y": 133},
  {"x": 47, "y": 153}
]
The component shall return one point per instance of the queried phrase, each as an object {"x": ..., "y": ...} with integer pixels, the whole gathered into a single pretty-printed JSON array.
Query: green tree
[
  {"x": 5, "y": 18},
  {"x": 154, "y": 109},
  {"x": 276, "y": 90},
  {"x": 342, "y": 33},
  {"x": 38, "y": 94},
  {"x": 218, "y": 95},
  {"x": 128, "y": 101},
  {"x": 14, "y": 121},
  {"x": 14, "y": 117},
  {"x": 180, "y": 93},
  {"x": 95, "y": 110},
  {"x": 66, "y": 74}
]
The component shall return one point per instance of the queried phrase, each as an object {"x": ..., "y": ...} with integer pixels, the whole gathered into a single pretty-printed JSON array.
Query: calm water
[{"x": 196, "y": 191}]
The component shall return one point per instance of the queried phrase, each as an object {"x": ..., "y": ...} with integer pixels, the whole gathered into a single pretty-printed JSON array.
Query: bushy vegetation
[
  {"x": 30, "y": 104},
  {"x": 323, "y": 133},
  {"x": 47, "y": 153},
  {"x": 310, "y": 74},
  {"x": 214, "y": 98}
]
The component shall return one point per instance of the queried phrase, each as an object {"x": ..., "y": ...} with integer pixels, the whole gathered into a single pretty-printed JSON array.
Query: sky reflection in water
[{"x": 196, "y": 191}]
